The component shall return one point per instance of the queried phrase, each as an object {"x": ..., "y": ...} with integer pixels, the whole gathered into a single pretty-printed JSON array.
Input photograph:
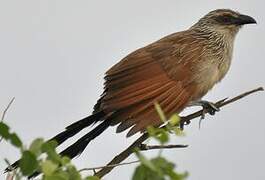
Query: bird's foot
[
  {"x": 182, "y": 124},
  {"x": 208, "y": 107}
]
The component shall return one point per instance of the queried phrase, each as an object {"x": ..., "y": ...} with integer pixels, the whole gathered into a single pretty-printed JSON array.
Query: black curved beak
[{"x": 244, "y": 19}]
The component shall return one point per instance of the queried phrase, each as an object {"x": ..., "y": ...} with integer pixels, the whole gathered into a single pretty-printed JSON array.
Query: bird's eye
[{"x": 226, "y": 19}]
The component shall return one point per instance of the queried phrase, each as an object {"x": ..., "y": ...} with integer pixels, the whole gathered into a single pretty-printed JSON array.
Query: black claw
[
  {"x": 211, "y": 112},
  {"x": 210, "y": 107},
  {"x": 187, "y": 122},
  {"x": 182, "y": 124}
]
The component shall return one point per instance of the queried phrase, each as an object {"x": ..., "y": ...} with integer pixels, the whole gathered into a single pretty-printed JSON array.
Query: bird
[{"x": 175, "y": 71}]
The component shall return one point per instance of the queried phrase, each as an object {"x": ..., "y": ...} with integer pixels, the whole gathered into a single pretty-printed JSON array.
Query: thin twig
[
  {"x": 142, "y": 147},
  {"x": 122, "y": 156},
  {"x": 186, "y": 119},
  {"x": 10, "y": 175},
  {"x": 112, "y": 165},
  {"x": 5, "y": 111},
  {"x": 145, "y": 147}
]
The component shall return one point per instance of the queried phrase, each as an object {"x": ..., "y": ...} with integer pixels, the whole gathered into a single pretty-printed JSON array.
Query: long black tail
[
  {"x": 71, "y": 130},
  {"x": 79, "y": 146},
  {"x": 76, "y": 127}
]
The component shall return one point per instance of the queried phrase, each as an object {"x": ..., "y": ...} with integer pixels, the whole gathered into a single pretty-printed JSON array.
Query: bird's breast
[{"x": 210, "y": 71}]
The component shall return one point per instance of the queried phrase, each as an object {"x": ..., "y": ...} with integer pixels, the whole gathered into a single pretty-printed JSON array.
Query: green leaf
[
  {"x": 159, "y": 134},
  {"x": 58, "y": 176},
  {"x": 28, "y": 163},
  {"x": 166, "y": 169},
  {"x": 92, "y": 178},
  {"x": 4, "y": 130},
  {"x": 145, "y": 161},
  {"x": 36, "y": 145},
  {"x": 73, "y": 173},
  {"x": 139, "y": 173},
  {"x": 151, "y": 131},
  {"x": 174, "y": 120},
  {"x": 65, "y": 160},
  {"x": 160, "y": 112},
  {"x": 50, "y": 145},
  {"x": 163, "y": 170},
  {"x": 144, "y": 173},
  {"x": 49, "y": 148},
  {"x": 163, "y": 137},
  {"x": 15, "y": 140},
  {"x": 178, "y": 131},
  {"x": 163, "y": 163},
  {"x": 48, "y": 167}
]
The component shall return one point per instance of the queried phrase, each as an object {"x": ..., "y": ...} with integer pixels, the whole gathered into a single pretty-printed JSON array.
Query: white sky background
[{"x": 53, "y": 55}]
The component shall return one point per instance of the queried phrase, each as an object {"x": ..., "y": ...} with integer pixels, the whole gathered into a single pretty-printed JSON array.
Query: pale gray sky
[{"x": 54, "y": 54}]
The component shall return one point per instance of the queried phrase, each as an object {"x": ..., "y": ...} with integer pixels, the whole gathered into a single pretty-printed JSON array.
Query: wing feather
[{"x": 159, "y": 73}]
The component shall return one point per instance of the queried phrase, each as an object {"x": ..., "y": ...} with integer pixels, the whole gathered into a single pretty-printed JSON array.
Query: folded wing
[{"x": 149, "y": 75}]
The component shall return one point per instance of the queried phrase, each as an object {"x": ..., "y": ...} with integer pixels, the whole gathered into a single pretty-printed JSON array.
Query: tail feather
[
  {"x": 79, "y": 146},
  {"x": 76, "y": 127}
]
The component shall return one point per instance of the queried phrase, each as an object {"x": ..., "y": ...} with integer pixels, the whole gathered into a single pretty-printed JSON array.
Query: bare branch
[
  {"x": 145, "y": 147},
  {"x": 10, "y": 175},
  {"x": 220, "y": 104},
  {"x": 5, "y": 111},
  {"x": 184, "y": 120},
  {"x": 112, "y": 165},
  {"x": 142, "y": 147}
]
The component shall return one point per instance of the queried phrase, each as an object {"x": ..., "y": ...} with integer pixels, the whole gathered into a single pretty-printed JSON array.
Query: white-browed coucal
[{"x": 175, "y": 71}]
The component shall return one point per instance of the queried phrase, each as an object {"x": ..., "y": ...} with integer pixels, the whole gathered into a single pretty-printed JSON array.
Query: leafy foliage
[
  {"x": 157, "y": 169},
  {"x": 53, "y": 166},
  {"x": 7, "y": 135},
  {"x": 28, "y": 163},
  {"x": 160, "y": 168}
]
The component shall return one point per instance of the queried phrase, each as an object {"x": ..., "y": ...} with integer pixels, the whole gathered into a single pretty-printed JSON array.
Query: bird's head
[{"x": 224, "y": 21}]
